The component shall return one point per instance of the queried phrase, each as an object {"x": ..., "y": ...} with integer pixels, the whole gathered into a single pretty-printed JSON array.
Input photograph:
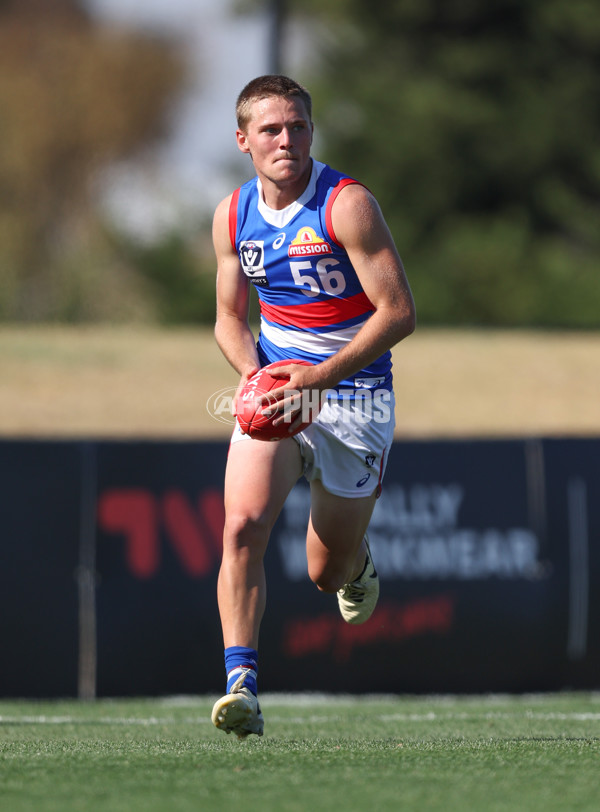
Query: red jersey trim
[
  {"x": 336, "y": 190},
  {"x": 318, "y": 314},
  {"x": 233, "y": 217}
]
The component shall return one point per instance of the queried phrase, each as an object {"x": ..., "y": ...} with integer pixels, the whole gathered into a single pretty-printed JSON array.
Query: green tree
[
  {"x": 172, "y": 270},
  {"x": 476, "y": 124},
  {"x": 74, "y": 97}
]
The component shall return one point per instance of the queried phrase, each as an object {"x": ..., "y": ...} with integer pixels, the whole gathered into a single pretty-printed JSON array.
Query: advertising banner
[
  {"x": 573, "y": 532},
  {"x": 486, "y": 552},
  {"x": 470, "y": 592},
  {"x": 40, "y": 527},
  {"x": 159, "y": 535}
]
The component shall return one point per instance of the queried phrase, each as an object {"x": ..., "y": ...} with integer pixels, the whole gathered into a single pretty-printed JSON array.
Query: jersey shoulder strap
[
  {"x": 341, "y": 184},
  {"x": 233, "y": 207}
]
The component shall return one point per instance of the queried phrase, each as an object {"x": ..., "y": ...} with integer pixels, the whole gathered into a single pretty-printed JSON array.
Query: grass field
[
  {"x": 318, "y": 753},
  {"x": 450, "y": 754},
  {"x": 124, "y": 382}
]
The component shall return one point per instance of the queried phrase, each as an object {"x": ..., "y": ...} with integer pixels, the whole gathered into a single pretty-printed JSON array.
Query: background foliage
[
  {"x": 475, "y": 123},
  {"x": 74, "y": 98}
]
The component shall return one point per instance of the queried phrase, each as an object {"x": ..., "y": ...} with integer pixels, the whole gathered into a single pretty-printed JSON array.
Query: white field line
[
  {"x": 78, "y": 720},
  {"x": 309, "y": 718}
]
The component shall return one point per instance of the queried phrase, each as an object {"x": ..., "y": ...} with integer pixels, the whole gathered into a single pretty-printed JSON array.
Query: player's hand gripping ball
[{"x": 249, "y": 411}]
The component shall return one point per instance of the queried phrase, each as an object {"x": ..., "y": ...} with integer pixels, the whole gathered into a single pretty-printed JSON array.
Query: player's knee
[
  {"x": 328, "y": 579},
  {"x": 244, "y": 534}
]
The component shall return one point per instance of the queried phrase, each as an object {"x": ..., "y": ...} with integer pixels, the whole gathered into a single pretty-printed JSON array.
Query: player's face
[{"x": 278, "y": 138}]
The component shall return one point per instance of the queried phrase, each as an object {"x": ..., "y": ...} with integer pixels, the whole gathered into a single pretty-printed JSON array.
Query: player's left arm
[{"x": 360, "y": 227}]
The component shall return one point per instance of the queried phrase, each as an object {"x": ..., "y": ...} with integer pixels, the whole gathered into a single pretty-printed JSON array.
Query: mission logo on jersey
[{"x": 307, "y": 244}]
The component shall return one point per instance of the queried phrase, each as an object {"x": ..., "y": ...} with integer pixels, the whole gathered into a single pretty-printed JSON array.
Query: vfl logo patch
[
  {"x": 370, "y": 460},
  {"x": 306, "y": 243},
  {"x": 252, "y": 258}
]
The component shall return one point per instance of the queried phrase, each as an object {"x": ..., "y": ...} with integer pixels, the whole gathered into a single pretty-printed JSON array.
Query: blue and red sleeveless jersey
[{"x": 311, "y": 301}]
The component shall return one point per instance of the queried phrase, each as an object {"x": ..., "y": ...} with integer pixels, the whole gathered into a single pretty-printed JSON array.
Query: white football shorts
[{"x": 347, "y": 446}]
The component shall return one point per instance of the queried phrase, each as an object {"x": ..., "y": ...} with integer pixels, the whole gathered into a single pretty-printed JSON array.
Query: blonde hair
[{"x": 262, "y": 88}]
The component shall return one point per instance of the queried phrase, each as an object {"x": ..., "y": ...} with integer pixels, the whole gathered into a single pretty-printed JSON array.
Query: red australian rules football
[{"x": 250, "y": 413}]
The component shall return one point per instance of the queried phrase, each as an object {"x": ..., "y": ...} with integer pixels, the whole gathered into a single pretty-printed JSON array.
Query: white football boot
[
  {"x": 358, "y": 599},
  {"x": 238, "y": 711}
]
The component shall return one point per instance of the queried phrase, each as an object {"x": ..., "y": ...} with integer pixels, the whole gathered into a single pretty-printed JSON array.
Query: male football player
[{"x": 332, "y": 291}]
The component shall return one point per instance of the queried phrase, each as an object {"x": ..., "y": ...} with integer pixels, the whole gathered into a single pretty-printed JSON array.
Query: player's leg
[
  {"x": 345, "y": 459},
  {"x": 339, "y": 559},
  {"x": 258, "y": 479},
  {"x": 335, "y": 546}
]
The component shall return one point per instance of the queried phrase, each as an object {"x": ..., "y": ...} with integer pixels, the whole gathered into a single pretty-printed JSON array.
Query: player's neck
[{"x": 280, "y": 194}]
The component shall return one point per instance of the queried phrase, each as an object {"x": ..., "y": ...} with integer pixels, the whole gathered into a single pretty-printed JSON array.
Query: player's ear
[{"x": 242, "y": 141}]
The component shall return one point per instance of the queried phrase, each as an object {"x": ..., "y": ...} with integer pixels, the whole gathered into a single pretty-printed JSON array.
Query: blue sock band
[{"x": 237, "y": 660}]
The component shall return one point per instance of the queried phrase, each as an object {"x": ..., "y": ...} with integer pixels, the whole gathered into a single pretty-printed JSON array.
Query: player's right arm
[{"x": 232, "y": 331}]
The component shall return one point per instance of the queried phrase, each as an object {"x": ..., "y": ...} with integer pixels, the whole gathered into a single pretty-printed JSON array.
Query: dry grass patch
[{"x": 125, "y": 382}]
